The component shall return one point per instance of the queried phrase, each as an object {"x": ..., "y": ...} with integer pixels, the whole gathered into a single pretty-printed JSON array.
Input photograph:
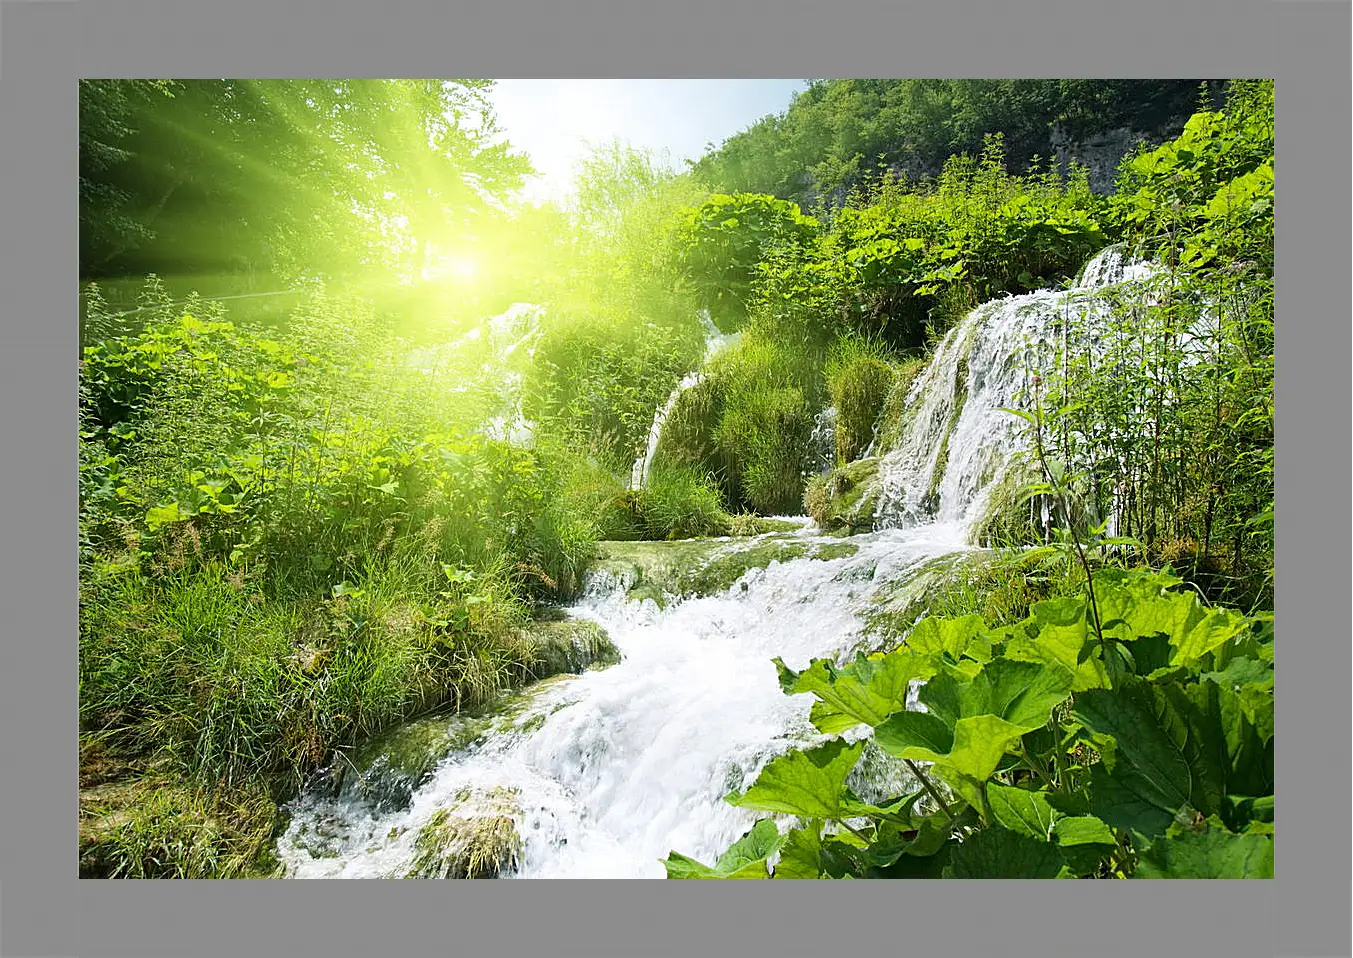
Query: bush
[
  {"x": 859, "y": 377},
  {"x": 681, "y": 504},
  {"x": 723, "y": 243},
  {"x": 749, "y": 422}
]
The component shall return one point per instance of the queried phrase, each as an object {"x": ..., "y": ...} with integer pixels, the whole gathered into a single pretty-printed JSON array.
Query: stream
[{"x": 610, "y": 770}]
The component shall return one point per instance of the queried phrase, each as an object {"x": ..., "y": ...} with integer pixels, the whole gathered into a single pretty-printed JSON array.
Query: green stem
[
  {"x": 1059, "y": 756},
  {"x": 930, "y": 789},
  {"x": 1036, "y": 768}
]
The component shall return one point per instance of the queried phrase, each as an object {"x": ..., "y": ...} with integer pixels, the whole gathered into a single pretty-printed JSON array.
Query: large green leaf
[
  {"x": 1212, "y": 852},
  {"x": 1143, "y": 779},
  {"x": 917, "y": 866},
  {"x": 1213, "y": 630},
  {"x": 1242, "y": 672},
  {"x": 1022, "y": 693},
  {"x": 1190, "y": 714},
  {"x": 1084, "y": 842},
  {"x": 1248, "y": 756},
  {"x": 1136, "y": 606},
  {"x": 958, "y": 637},
  {"x": 1057, "y": 630},
  {"x": 745, "y": 858},
  {"x": 800, "y": 855},
  {"x": 980, "y": 741},
  {"x": 868, "y": 690},
  {"x": 806, "y": 783},
  {"x": 996, "y": 852},
  {"x": 906, "y": 730},
  {"x": 1023, "y": 811}
]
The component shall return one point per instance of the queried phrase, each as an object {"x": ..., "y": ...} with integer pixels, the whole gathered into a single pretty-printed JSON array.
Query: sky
[{"x": 554, "y": 121}]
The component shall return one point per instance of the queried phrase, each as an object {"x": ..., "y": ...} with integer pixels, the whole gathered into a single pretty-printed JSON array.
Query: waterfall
[
  {"x": 485, "y": 359},
  {"x": 642, "y": 465},
  {"x": 822, "y": 441},
  {"x": 608, "y": 771},
  {"x": 714, "y": 342},
  {"x": 959, "y": 441}
]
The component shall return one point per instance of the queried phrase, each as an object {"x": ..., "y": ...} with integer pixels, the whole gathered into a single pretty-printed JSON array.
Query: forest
[{"x": 875, "y": 497}]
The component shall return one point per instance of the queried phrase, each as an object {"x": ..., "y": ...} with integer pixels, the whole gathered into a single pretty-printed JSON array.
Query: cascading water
[
  {"x": 959, "y": 439},
  {"x": 822, "y": 441},
  {"x": 615, "y": 768},
  {"x": 608, "y": 771},
  {"x": 715, "y": 340},
  {"x": 487, "y": 360}
]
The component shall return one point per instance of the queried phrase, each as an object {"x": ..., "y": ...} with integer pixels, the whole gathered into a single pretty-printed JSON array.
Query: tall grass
[{"x": 859, "y": 376}]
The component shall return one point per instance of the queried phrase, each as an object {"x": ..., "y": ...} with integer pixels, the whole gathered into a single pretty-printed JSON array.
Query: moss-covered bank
[{"x": 668, "y": 570}]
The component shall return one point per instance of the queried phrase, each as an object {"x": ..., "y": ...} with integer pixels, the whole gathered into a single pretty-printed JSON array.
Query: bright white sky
[{"x": 555, "y": 121}]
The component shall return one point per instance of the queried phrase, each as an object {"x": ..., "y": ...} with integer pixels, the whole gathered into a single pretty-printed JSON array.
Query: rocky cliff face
[
  {"x": 1099, "y": 153},
  {"x": 1102, "y": 152}
]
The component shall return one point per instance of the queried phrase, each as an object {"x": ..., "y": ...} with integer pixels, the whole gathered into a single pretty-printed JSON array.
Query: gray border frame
[{"x": 45, "y": 910}]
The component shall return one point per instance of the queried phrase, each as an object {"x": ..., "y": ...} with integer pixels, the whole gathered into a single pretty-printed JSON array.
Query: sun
[{"x": 458, "y": 267}]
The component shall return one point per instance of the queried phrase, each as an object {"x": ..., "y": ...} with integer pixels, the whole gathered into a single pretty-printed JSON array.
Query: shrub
[
  {"x": 766, "y": 435},
  {"x": 681, "y": 504},
  {"x": 859, "y": 377}
]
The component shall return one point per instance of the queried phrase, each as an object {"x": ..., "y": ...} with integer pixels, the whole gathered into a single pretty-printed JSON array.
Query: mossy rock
[
  {"x": 721, "y": 572},
  {"x": 749, "y": 524},
  {"x": 475, "y": 838},
  {"x": 664, "y": 571},
  {"x": 846, "y": 498},
  {"x": 896, "y": 415},
  {"x": 385, "y": 771},
  {"x": 570, "y": 646},
  {"x": 651, "y": 570},
  {"x": 1007, "y": 517}
]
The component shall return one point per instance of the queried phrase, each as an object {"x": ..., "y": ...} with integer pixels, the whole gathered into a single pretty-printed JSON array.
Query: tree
[{"x": 282, "y": 179}]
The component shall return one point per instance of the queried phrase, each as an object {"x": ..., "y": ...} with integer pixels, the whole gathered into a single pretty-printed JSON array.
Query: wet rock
[
  {"x": 662, "y": 571},
  {"x": 847, "y": 498},
  {"x": 384, "y": 772},
  {"x": 570, "y": 646},
  {"x": 475, "y": 838}
]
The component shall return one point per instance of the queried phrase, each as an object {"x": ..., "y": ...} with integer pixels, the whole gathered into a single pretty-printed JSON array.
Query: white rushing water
[
  {"x": 615, "y": 768},
  {"x": 982, "y": 367},
  {"x": 633, "y": 761}
]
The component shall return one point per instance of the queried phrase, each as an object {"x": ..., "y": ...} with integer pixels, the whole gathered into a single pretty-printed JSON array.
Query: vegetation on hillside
[{"x": 301, "y": 528}]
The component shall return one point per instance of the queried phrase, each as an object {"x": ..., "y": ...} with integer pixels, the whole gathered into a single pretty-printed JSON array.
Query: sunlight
[{"x": 458, "y": 267}]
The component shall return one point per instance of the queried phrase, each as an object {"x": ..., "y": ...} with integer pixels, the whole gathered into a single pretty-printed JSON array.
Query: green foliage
[
  {"x": 1086, "y": 740},
  {"x": 154, "y": 829},
  {"x": 283, "y": 178},
  {"x": 748, "y": 422},
  {"x": 745, "y": 858},
  {"x": 1163, "y": 414},
  {"x": 598, "y": 377},
  {"x": 905, "y": 258},
  {"x": 725, "y": 239},
  {"x": 839, "y": 133},
  {"x": 679, "y": 504},
  {"x": 859, "y": 379},
  {"x": 289, "y": 543}
]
